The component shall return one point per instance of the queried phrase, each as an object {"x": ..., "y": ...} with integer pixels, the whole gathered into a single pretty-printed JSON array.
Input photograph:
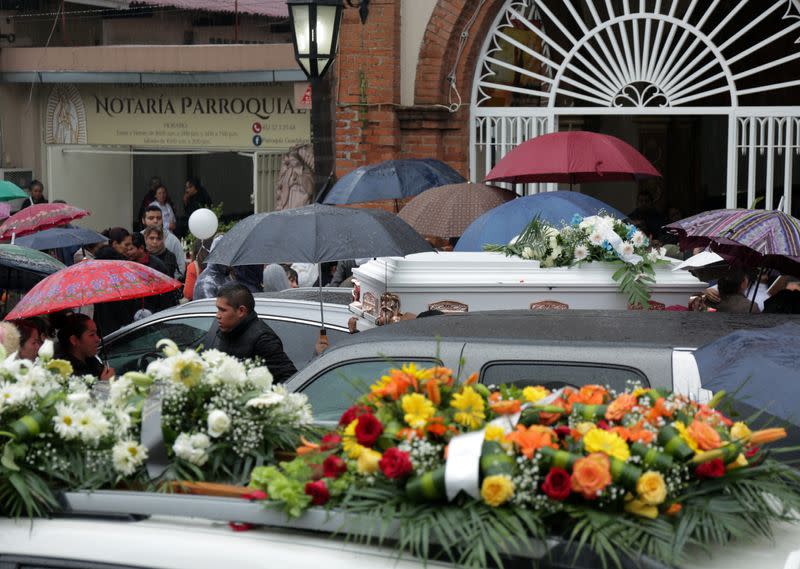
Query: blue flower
[
  {"x": 606, "y": 245},
  {"x": 631, "y": 230},
  {"x": 576, "y": 219}
]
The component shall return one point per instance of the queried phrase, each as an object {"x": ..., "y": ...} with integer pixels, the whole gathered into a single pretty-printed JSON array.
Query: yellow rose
[
  {"x": 533, "y": 394},
  {"x": 651, "y": 488},
  {"x": 740, "y": 431},
  {"x": 639, "y": 508},
  {"x": 494, "y": 433},
  {"x": 368, "y": 461},
  {"x": 497, "y": 490}
]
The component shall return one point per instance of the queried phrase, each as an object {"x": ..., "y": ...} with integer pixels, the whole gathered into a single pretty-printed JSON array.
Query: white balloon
[{"x": 203, "y": 223}]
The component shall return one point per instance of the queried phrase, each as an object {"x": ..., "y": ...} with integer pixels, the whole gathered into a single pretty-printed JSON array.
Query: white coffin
[{"x": 492, "y": 281}]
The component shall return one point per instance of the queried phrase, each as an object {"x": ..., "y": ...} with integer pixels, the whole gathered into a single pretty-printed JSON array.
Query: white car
[{"x": 158, "y": 531}]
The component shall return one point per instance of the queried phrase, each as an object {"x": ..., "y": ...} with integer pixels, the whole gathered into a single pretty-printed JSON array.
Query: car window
[
  {"x": 559, "y": 374},
  {"x": 127, "y": 352},
  {"x": 299, "y": 339},
  {"x": 334, "y": 390}
]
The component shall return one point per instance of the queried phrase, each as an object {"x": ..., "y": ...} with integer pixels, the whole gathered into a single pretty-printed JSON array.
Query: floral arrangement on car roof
[
  {"x": 56, "y": 433},
  {"x": 480, "y": 472},
  {"x": 220, "y": 416},
  {"x": 590, "y": 239}
]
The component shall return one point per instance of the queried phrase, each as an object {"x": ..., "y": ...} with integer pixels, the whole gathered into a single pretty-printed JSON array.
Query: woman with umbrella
[{"x": 79, "y": 343}]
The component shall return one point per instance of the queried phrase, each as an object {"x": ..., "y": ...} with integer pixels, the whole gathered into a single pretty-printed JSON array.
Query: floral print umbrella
[
  {"x": 91, "y": 282},
  {"x": 38, "y": 217}
]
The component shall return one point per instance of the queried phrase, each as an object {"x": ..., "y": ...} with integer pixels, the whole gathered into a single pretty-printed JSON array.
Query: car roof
[
  {"x": 331, "y": 295},
  {"x": 655, "y": 328}
]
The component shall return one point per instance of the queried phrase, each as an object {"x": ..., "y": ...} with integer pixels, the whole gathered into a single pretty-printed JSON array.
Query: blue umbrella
[
  {"x": 392, "y": 179},
  {"x": 501, "y": 224},
  {"x": 759, "y": 367},
  {"x": 60, "y": 237}
]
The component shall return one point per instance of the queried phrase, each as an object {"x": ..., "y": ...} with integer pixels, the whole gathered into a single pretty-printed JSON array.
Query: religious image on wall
[
  {"x": 295, "y": 185},
  {"x": 66, "y": 116}
]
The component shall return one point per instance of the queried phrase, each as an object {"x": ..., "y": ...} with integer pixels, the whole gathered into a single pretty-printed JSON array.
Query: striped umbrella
[{"x": 752, "y": 237}]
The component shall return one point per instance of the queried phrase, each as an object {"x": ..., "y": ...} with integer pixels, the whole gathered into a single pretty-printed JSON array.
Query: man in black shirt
[
  {"x": 240, "y": 333},
  {"x": 78, "y": 344}
]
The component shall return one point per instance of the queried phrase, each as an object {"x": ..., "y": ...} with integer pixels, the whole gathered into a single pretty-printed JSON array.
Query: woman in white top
[{"x": 163, "y": 203}]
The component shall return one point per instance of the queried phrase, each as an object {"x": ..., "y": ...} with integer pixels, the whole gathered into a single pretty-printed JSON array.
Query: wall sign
[{"x": 177, "y": 117}]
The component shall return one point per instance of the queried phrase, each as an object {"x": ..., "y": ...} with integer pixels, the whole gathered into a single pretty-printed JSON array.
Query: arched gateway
[{"x": 551, "y": 62}]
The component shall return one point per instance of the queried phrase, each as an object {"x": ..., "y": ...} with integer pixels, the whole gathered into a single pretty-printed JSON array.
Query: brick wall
[{"x": 370, "y": 123}]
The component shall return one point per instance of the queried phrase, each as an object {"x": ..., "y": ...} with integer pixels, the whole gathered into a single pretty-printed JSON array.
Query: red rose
[
  {"x": 711, "y": 469},
  {"x": 563, "y": 432},
  {"x": 318, "y": 492},
  {"x": 255, "y": 495},
  {"x": 395, "y": 464},
  {"x": 368, "y": 429},
  {"x": 330, "y": 441},
  {"x": 557, "y": 484},
  {"x": 352, "y": 414},
  {"x": 333, "y": 467},
  {"x": 602, "y": 424}
]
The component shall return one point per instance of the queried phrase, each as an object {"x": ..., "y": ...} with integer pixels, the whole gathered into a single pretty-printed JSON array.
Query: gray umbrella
[
  {"x": 59, "y": 237},
  {"x": 316, "y": 234}
]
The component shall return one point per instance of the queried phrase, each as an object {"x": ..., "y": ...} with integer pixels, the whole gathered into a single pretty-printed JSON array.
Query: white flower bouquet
[
  {"x": 221, "y": 417},
  {"x": 55, "y": 433},
  {"x": 589, "y": 239}
]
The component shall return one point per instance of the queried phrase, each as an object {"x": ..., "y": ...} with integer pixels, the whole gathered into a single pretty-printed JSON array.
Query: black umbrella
[
  {"x": 59, "y": 237},
  {"x": 316, "y": 234}
]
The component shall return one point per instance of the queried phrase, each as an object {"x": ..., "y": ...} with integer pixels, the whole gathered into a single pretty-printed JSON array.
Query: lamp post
[{"x": 315, "y": 31}]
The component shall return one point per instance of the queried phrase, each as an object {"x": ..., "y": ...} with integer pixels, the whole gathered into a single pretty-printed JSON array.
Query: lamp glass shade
[{"x": 315, "y": 28}]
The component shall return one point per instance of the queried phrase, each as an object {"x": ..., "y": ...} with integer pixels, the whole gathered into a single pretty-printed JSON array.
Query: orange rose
[
  {"x": 590, "y": 395},
  {"x": 712, "y": 417},
  {"x": 432, "y": 389},
  {"x": 507, "y": 407},
  {"x": 620, "y": 407},
  {"x": 533, "y": 438},
  {"x": 441, "y": 375},
  {"x": 707, "y": 438},
  {"x": 550, "y": 418},
  {"x": 590, "y": 475},
  {"x": 659, "y": 410}
]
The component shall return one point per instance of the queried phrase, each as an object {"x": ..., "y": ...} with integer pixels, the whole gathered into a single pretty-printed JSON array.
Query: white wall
[
  {"x": 414, "y": 18},
  {"x": 100, "y": 183}
]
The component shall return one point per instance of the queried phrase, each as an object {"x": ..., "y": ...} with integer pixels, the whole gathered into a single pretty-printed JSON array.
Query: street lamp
[{"x": 315, "y": 31}]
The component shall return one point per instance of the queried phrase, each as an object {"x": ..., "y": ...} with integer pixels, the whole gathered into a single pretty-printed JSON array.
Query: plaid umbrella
[
  {"x": 751, "y": 237},
  {"x": 447, "y": 211},
  {"x": 91, "y": 282},
  {"x": 38, "y": 217}
]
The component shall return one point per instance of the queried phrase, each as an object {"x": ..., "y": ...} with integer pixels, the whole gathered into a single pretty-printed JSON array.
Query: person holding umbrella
[
  {"x": 240, "y": 333},
  {"x": 78, "y": 344}
]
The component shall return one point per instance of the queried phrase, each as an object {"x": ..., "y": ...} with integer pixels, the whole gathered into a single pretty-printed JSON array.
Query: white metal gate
[{"x": 644, "y": 57}]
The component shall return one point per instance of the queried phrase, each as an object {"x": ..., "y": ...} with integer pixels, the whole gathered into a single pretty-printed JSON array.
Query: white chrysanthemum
[
  {"x": 604, "y": 224},
  {"x": 80, "y": 399},
  {"x": 127, "y": 456},
  {"x": 16, "y": 367},
  {"x": 266, "y": 400},
  {"x": 15, "y": 393},
  {"x": 638, "y": 239},
  {"x": 230, "y": 372},
  {"x": 92, "y": 425},
  {"x": 119, "y": 390},
  {"x": 581, "y": 252},
  {"x": 214, "y": 357},
  {"x": 66, "y": 422},
  {"x": 626, "y": 249},
  {"x": 260, "y": 376},
  {"x": 122, "y": 422},
  {"x": 527, "y": 253},
  {"x": 218, "y": 423},
  {"x": 596, "y": 238},
  {"x": 47, "y": 350}
]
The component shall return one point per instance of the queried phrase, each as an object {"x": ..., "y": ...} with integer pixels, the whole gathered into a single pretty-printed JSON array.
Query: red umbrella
[
  {"x": 572, "y": 157},
  {"x": 91, "y": 282},
  {"x": 38, "y": 217}
]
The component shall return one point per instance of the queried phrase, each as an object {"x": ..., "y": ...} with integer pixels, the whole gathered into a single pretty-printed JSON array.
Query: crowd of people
[{"x": 154, "y": 241}]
